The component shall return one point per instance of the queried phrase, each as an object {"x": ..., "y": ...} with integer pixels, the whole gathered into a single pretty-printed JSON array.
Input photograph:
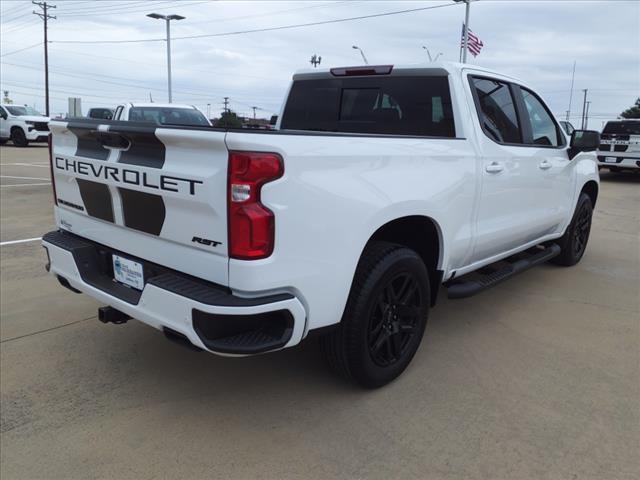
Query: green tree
[
  {"x": 229, "y": 119},
  {"x": 633, "y": 112}
]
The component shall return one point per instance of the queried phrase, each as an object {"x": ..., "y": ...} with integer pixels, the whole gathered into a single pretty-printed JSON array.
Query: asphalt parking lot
[{"x": 536, "y": 378}]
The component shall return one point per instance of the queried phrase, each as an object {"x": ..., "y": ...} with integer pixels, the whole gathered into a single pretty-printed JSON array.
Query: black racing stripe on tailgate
[
  {"x": 96, "y": 198},
  {"x": 142, "y": 211},
  {"x": 146, "y": 149},
  {"x": 88, "y": 143}
]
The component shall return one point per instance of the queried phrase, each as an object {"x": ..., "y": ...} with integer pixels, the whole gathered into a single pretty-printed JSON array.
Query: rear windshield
[
  {"x": 104, "y": 113},
  {"x": 626, "y": 128},
  {"x": 168, "y": 116},
  {"x": 419, "y": 106}
]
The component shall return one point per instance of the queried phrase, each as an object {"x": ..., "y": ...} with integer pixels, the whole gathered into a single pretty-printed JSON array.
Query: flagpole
[{"x": 466, "y": 30}]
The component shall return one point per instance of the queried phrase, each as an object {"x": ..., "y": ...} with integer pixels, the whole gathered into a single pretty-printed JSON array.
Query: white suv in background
[
  {"x": 22, "y": 124},
  {"x": 620, "y": 145}
]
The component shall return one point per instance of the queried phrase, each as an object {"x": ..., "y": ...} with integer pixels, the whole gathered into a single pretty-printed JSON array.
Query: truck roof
[
  {"x": 446, "y": 67},
  {"x": 160, "y": 105}
]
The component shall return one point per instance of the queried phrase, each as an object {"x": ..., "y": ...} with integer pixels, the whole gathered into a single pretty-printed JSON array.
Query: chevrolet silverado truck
[
  {"x": 620, "y": 146},
  {"x": 381, "y": 185},
  {"x": 22, "y": 124}
]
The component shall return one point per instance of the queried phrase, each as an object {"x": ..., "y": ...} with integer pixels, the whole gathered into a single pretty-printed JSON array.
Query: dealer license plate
[{"x": 128, "y": 272}]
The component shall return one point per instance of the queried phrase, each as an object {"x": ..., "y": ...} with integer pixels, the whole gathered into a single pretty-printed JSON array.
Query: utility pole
[
  {"x": 586, "y": 117},
  {"x": 226, "y": 104},
  {"x": 573, "y": 76},
  {"x": 584, "y": 107},
  {"x": 208, "y": 110},
  {"x": 254, "y": 112},
  {"x": 167, "y": 19},
  {"x": 45, "y": 16}
]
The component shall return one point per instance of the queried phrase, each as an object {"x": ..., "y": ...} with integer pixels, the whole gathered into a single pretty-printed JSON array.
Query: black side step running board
[{"x": 463, "y": 289}]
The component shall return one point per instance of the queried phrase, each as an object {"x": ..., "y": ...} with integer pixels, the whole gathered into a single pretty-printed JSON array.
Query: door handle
[
  {"x": 545, "y": 165},
  {"x": 494, "y": 167}
]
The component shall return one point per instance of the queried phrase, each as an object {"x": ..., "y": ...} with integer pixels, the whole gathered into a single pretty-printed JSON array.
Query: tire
[
  {"x": 384, "y": 319},
  {"x": 574, "y": 241},
  {"x": 18, "y": 138}
]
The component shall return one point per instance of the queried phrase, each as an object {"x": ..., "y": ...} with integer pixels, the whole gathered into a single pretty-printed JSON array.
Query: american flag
[{"x": 474, "y": 44}]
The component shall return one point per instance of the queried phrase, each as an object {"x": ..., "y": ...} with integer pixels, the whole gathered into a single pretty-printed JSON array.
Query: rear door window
[
  {"x": 497, "y": 113},
  {"x": 396, "y": 105}
]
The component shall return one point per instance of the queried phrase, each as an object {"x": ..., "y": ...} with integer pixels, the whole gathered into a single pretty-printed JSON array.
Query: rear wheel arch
[{"x": 421, "y": 234}]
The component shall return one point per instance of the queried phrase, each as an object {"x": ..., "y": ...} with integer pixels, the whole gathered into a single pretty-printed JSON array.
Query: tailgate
[{"x": 157, "y": 193}]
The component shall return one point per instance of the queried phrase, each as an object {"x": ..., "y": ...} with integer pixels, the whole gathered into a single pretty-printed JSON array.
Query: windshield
[
  {"x": 17, "y": 110},
  {"x": 168, "y": 116},
  {"x": 625, "y": 128}
]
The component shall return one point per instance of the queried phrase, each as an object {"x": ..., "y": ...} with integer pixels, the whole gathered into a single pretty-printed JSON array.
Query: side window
[
  {"x": 497, "y": 110},
  {"x": 543, "y": 129}
]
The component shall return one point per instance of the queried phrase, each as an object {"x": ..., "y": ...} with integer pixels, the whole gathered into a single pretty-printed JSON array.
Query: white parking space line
[
  {"x": 24, "y": 178},
  {"x": 37, "y": 165},
  {"x": 24, "y": 185},
  {"x": 25, "y": 240}
]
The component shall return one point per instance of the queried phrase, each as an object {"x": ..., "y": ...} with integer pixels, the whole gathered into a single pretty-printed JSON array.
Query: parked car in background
[
  {"x": 162, "y": 114},
  {"x": 567, "y": 127},
  {"x": 620, "y": 145},
  {"x": 22, "y": 124},
  {"x": 104, "y": 113}
]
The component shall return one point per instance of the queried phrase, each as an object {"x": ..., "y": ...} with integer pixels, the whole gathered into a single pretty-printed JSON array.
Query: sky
[{"x": 535, "y": 40}]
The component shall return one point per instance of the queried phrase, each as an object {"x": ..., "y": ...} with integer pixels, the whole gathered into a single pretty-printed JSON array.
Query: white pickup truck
[
  {"x": 22, "y": 125},
  {"x": 381, "y": 184}
]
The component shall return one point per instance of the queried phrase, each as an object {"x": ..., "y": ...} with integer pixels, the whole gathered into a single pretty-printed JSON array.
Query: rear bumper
[
  {"x": 621, "y": 161},
  {"x": 208, "y": 315}
]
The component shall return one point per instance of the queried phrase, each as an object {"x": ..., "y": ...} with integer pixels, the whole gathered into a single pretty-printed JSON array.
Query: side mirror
[
  {"x": 273, "y": 120},
  {"x": 3, "y": 115},
  {"x": 583, "y": 141}
]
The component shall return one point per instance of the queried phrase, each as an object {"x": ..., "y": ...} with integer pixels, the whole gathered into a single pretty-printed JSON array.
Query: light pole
[
  {"x": 466, "y": 28},
  {"x": 361, "y": 53},
  {"x": 429, "y": 54},
  {"x": 167, "y": 18}
]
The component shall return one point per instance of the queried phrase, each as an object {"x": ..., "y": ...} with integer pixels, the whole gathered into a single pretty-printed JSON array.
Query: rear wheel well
[
  {"x": 591, "y": 189},
  {"x": 420, "y": 234}
]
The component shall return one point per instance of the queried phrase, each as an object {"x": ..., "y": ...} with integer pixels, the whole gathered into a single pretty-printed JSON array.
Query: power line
[
  {"x": 101, "y": 80},
  {"x": 256, "y": 30},
  {"x": 136, "y": 9},
  {"x": 21, "y": 49}
]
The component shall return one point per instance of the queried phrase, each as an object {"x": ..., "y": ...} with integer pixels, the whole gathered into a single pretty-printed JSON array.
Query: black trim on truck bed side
[{"x": 93, "y": 261}]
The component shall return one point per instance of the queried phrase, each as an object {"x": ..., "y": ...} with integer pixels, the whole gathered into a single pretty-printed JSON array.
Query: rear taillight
[
  {"x": 251, "y": 224},
  {"x": 53, "y": 180}
]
